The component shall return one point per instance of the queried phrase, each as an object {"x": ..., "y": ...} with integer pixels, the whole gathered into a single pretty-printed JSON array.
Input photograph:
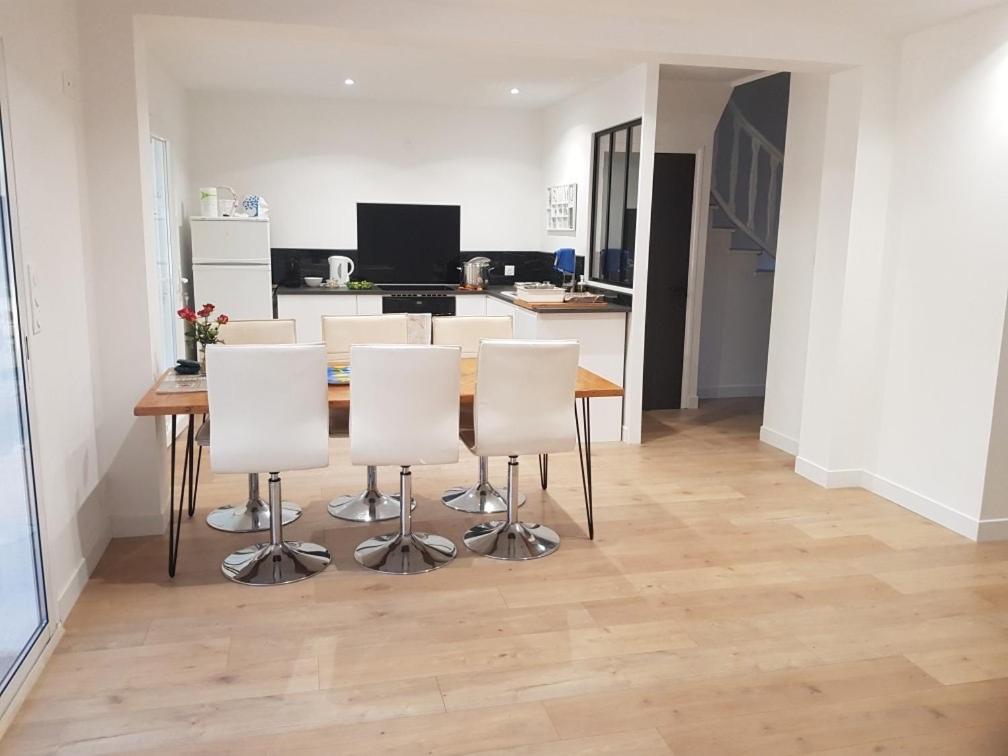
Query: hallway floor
[{"x": 727, "y": 605}]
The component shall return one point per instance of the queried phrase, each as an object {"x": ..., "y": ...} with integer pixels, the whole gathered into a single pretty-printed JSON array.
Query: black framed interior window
[{"x": 615, "y": 170}]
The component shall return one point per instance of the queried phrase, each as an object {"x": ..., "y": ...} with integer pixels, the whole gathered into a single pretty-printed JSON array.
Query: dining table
[{"x": 157, "y": 402}]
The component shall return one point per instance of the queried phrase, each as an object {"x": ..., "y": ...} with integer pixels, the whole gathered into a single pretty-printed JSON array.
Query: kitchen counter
[
  {"x": 601, "y": 331},
  {"x": 496, "y": 292}
]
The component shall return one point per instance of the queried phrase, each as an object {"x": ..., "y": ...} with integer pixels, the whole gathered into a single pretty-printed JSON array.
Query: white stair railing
[{"x": 754, "y": 212}]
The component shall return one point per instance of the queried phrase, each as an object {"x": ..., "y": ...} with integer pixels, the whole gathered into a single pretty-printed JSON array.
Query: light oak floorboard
[{"x": 726, "y": 605}]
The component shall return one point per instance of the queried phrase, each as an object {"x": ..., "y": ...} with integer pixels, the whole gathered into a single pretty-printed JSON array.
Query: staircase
[{"x": 745, "y": 187}]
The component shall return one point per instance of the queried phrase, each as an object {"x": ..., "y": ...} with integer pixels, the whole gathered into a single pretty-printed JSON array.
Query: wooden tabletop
[{"x": 195, "y": 402}]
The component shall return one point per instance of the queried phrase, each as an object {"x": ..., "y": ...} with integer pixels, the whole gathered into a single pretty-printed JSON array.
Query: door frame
[
  {"x": 29, "y": 666},
  {"x": 695, "y": 276}
]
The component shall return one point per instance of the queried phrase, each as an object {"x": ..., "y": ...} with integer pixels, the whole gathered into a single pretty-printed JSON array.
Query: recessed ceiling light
[
  {"x": 514, "y": 91},
  {"x": 349, "y": 82}
]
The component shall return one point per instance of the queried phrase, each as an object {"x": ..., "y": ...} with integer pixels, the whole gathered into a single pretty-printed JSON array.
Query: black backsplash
[{"x": 291, "y": 265}]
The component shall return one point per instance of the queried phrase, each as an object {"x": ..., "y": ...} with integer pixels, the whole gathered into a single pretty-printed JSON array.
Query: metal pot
[{"x": 475, "y": 273}]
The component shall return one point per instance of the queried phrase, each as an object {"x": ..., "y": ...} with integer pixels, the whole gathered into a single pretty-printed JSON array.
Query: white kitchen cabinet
[
  {"x": 369, "y": 304},
  {"x": 307, "y": 310},
  {"x": 602, "y": 340},
  {"x": 496, "y": 306},
  {"x": 471, "y": 304}
]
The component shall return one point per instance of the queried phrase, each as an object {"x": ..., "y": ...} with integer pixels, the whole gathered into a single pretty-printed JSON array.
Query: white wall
[
  {"x": 847, "y": 320},
  {"x": 40, "y": 44},
  {"x": 949, "y": 273},
  {"x": 314, "y": 159},
  {"x": 568, "y": 128},
  {"x": 735, "y": 325},
  {"x": 121, "y": 276},
  {"x": 796, "y": 252}
]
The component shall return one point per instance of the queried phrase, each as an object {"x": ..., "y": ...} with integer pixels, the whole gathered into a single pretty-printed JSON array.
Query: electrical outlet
[{"x": 509, "y": 270}]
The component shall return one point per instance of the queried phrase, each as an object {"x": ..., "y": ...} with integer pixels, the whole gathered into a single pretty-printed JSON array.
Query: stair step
[
  {"x": 742, "y": 241},
  {"x": 765, "y": 264},
  {"x": 719, "y": 218}
]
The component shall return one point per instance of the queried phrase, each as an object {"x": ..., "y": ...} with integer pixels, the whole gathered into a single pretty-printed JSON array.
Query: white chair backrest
[
  {"x": 404, "y": 402},
  {"x": 467, "y": 332},
  {"x": 236, "y": 332},
  {"x": 340, "y": 332},
  {"x": 270, "y": 407},
  {"x": 525, "y": 397}
]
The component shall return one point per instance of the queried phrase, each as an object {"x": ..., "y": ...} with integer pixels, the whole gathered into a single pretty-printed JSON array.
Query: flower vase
[{"x": 202, "y": 359}]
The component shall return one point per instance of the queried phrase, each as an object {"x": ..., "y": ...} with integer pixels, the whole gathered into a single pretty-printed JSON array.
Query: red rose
[
  {"x": 222, "y": 319},
  {"x": 204, "y": 312},
  {"x": 187, "y": 315}
]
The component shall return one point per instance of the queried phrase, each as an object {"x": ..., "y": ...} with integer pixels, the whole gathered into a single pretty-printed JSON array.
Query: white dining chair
[
  {"x": 340, "y": 333},
  {"x": 467, "y": 332},
  {"x": 524, "y": 395},
  {"x": 404, "y": 411},
  {"x": 254, "y": 514},
  {"x": 270, "y": 412}
]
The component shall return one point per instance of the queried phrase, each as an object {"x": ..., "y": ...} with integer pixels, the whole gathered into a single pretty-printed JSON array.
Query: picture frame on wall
[{"x": 561, "y": 208}]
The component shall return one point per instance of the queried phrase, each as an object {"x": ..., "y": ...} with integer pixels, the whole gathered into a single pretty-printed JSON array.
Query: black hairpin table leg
[
  {"x": 543, "y": 470},
  {"x": 583, "y": 426},
  {"x": 175, "y": 522},
  {"x": 199, "y": 464}
]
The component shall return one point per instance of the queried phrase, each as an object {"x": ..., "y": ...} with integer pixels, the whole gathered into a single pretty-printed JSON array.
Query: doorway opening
[{"x": 741, "y": 246}]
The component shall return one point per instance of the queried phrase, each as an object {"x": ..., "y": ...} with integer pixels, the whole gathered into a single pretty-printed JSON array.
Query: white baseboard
[
  {"x": 927, "y": 507},
  {"x": 731, "y": 392},
  {"x": 918, "y": 503},
  {"x": 828, "y": 478},
  {"x": 71, "y": 590},
  {"x": 778, "y": 440},
  {"x": 993, "y": 530},
  {"x": 692, "y": 402}
]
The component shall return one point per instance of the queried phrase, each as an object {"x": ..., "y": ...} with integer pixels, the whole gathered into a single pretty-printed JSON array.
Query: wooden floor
[{"x": 726, "y": 606}]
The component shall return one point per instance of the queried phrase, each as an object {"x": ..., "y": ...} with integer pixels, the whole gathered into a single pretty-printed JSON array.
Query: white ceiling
[
  {"x": 473, "y": 51},
  {"x": 212, "y": 55}
]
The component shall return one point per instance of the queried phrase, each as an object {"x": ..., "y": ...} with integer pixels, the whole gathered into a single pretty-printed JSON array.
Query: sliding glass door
[{"x": 24, "y": 619}]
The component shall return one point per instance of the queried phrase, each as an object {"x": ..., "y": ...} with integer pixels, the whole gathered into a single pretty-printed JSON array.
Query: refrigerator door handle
[{"x": 247, "y": 263}]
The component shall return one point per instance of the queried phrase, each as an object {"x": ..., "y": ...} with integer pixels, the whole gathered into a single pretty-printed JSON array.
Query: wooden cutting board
[{"x": 562, "y": 305}]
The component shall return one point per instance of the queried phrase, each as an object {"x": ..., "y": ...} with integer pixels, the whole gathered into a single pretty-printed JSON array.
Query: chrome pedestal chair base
[
  {"x": 252, "y": 516},
  {"x": 480, "y": 498},
  {"x": 266, "y": 564},
  {"x": 405, "y": 552},
  {"x": 510, "y": 539},
  {"x": 408, "y": 554},
  {"x": 370, "y": 506},
  {"x": 279, "y": 561}
]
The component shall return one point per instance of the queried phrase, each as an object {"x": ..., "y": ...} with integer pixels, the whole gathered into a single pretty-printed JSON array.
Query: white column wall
[
  {"x": 847, "y": 317},
  {"x": 633, "y": 386},
  {"x": 948, "y": 277},
  {"x": 131, "y": 450},
  {"x": 796, "y": 254}
]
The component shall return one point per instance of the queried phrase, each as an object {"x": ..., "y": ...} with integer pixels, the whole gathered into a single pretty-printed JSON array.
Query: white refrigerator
[{"x": 231, "y": 266}]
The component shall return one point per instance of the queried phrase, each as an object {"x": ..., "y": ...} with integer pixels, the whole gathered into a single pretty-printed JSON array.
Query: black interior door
[{"x": 668, "y": 271}]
